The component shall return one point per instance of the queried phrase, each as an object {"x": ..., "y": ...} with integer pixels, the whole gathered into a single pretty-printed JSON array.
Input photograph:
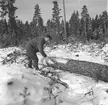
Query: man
[{"x": 36, "y": 45}]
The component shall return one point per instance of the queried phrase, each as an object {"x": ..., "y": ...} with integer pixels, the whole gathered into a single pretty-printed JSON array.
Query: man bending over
[{"x": 36, "y": 45}]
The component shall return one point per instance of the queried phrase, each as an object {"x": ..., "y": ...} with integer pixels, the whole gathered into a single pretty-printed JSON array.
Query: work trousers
[{"x": 32, "y": 57}]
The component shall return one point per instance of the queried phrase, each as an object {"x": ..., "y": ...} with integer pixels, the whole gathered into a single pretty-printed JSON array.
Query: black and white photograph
[{"x": 53, "y": 52}]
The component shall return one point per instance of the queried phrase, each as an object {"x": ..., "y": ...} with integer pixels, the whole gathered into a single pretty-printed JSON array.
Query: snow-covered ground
[{"x": 19, "y": 85}]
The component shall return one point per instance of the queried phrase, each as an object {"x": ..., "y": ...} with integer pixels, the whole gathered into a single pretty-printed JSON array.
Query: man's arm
[{"x": 41, "y": 48}]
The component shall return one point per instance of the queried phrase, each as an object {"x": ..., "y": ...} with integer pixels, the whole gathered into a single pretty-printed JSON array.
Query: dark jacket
[{"x": 37, "y": 44}]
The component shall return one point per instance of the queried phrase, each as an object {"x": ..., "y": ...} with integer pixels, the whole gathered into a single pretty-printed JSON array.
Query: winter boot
[
  {"x": 35, "y": 64},
  {"x": 30, "y": 64}
]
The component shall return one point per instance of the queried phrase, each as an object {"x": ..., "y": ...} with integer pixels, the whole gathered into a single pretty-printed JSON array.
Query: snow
[
  {"x": 19, "y": 86},
  {"x": 89, "y": 53}
]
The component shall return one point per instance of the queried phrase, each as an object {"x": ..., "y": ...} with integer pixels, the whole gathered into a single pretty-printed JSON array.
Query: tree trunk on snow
[{"x": 94, "y": 70}]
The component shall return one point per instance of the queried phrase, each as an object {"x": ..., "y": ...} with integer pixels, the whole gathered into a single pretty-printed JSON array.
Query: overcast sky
[{"x": 26, "y": 8}]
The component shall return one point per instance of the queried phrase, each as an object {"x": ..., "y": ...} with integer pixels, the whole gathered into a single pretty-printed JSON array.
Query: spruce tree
[
  {"x": 74, "y": 23},
  {"x": 56, "y": 16},
  {"x": 105, "y": 19},
  {"x": 27, "y": 30},
  {"x": 48, "y": 25},
  {"x": 85, "y": 17},
  {"x": 8, "y": 8},
  {"x": 3, "y": 32},
  {"x": 97, "y": 21},
  {"x": 37, "y": 13},
  {"x": 40, "y": 26},
  {"x": 37, "y": 26},
  {"x": 89, "y": 29}
]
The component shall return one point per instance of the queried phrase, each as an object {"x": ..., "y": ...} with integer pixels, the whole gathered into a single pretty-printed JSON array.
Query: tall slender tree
[
  {"x": 8, "y": 8},
  {"x": 97, "y": 21},
  {"x": 105, "y": 19},
  {"x": 48, "y": 25},
  {"x": 89, "y": 29},
  {"x": 85, "y": 16},
  {"x": 3, "y": 26},
  {"x": 74, "y": 23},
  {"x": 27, "y": 30},
  {"x": 37, "y": 13},
  {"x": 37, "y": 23},
  {"x": 56, "y": 16},
  {"x": 40, "y": 26},
  {"x": 3, "y": 32}
]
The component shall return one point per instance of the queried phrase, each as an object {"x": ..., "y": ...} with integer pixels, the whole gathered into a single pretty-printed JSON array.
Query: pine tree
[
  {"x": 85, "y": 16},
  {"x": 93, "y": 24},
  {"x": 3, "y": 32},
  {"x": 33, "y": 28},
  {"x": 40, "y": 26},
  {"x": 48, "y": 25},
  {"x": 74, "y": 24},
  {"x": 20, "y": 30},
  {"x": 105, "y": 19},
  {"x": 37, "y": 14},
  {"x": 101, "y": 34},
  {"x": 81, "y": 27},
  {"x": 37, "y": 26},
  {"x": 8, "y": 8},
  {"x": 97, "y": 21},
  {"x": 56, "y": 16},
  {"x": 89, "y": 31},
  {"x": 3, "y": 26},
  {"x": 27, "y": 30}
]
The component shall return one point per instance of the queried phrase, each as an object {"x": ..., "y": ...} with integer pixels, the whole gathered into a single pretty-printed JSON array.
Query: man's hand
[
  {"x": 47, "y": 60},
  {"x": 50, "y": 60}
]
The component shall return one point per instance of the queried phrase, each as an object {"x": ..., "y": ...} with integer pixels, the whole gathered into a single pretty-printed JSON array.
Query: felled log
[{"x": 94, "y": 70}]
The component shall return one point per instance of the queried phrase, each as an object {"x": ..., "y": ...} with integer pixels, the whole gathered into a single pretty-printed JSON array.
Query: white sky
[{"x": 26, "y": 8}]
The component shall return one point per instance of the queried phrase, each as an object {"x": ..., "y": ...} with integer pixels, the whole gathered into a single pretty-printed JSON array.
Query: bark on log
[{"x": 94, "y": 70}]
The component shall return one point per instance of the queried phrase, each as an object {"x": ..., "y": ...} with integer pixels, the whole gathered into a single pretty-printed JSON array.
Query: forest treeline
[{"x": 14, "y": 31}]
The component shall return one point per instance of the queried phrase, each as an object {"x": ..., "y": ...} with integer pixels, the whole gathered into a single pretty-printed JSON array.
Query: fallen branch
[
  {"x": 12, "y": 57},
  {"x": 53, "y": 75}
]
